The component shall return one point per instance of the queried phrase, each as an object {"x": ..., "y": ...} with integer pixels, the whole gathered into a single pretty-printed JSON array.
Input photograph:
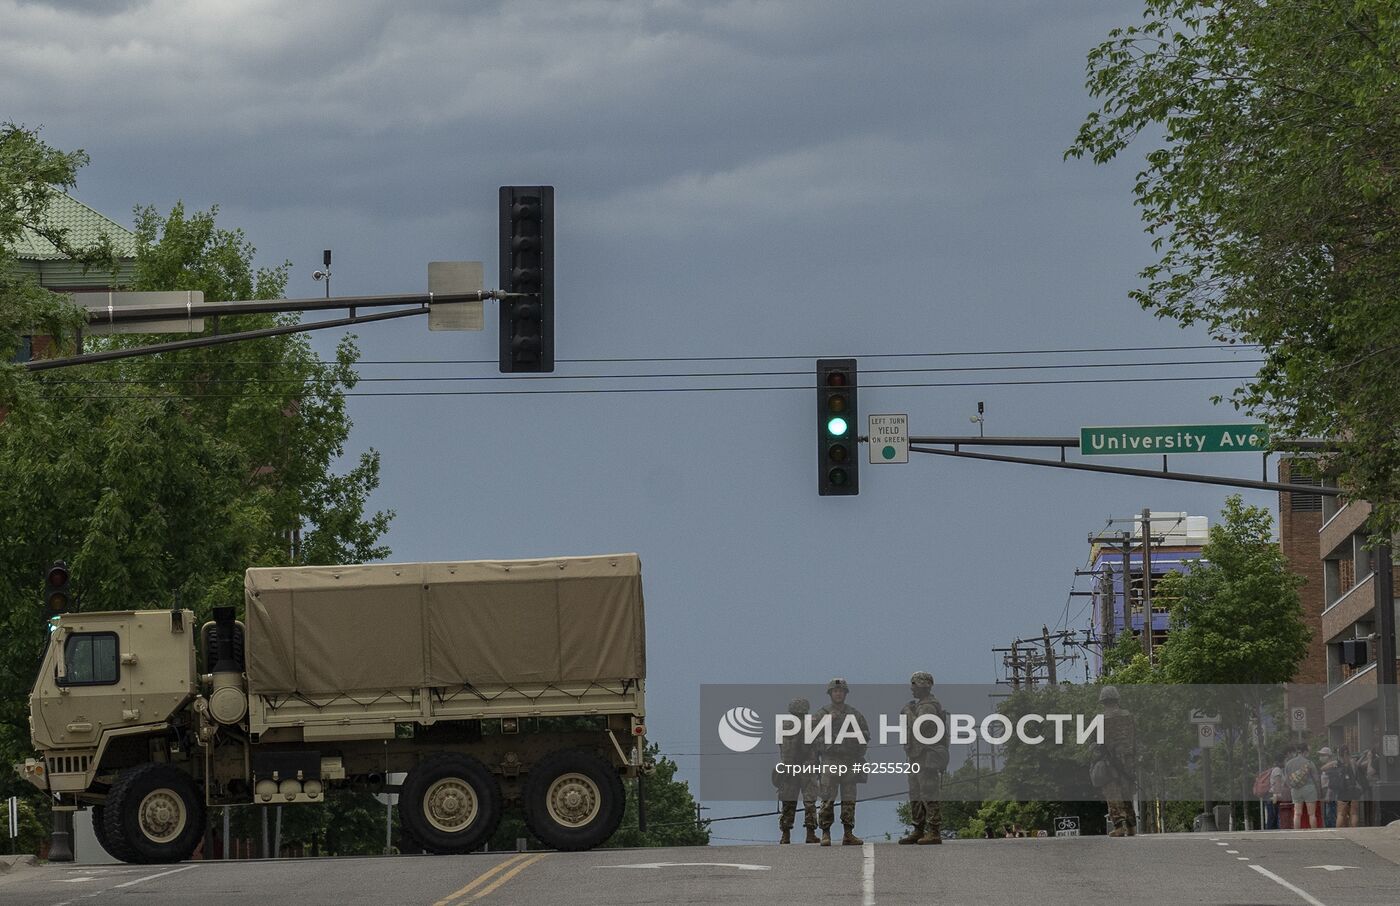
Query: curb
[{"x": 8, "y": 863}]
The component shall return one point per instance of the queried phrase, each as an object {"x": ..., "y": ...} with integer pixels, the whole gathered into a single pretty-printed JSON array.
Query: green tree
[
  {"x": 1125, "y": 664},
  {"x": 31, "y": 173},
  {"x": 1236, "y": 617},
  {"x": 161, "y": 479},
  {"x": 670, "y": 810},
  {"x": 1270, "y": 190}
]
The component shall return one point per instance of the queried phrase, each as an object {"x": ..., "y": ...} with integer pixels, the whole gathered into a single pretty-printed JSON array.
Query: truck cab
[{"x": 105, "y": 677}]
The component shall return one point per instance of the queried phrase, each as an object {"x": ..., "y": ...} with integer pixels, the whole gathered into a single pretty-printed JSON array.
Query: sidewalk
[
  {"x": 10, "y": 863},
  {"x": 1383, "y": 841}
]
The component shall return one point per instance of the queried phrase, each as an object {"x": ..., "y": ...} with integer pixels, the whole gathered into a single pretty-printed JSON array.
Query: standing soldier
[
  {"x": 846, "y": 755},
  {"x": 931, "y": 759},
  {"x": 795, "y": 750},
  {"x": 1119, "y": 770}
]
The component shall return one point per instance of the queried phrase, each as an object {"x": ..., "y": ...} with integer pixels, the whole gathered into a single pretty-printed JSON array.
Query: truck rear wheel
[
  {"x": 154, "y": 813},
  {"x": 450, "y": 804},
  {"x": 573, "y": 800}
]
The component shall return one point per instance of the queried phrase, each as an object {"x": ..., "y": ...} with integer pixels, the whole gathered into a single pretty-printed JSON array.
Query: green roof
[{"x": 84, "y": 227}]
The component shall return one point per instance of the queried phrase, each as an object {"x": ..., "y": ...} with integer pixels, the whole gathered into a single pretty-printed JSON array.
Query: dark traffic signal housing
[
  {"x": 838, "y": 461},
  {"x": 527, "y": 266},
  {"x": 58, "y": 590}
]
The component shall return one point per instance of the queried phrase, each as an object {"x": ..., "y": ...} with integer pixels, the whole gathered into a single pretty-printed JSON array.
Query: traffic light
[
  {"x": 527, "y": 266},
  {"x": 58, "y": 590},
  {"x": 837, "y": 459}
]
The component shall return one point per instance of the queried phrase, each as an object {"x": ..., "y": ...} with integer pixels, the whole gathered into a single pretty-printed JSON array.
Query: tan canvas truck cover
[{"x": 324, "y": 629}]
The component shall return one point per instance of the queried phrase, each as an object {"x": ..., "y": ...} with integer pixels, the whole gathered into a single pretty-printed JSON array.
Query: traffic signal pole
[
  {"x": 1066, "y": 442},
  {"x": 137, "y": 314}
]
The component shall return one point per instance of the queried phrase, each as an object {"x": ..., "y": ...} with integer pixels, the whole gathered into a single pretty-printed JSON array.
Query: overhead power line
[
  {"x": 803, "y": 387},
  {"x": 669, "y": 374},
  {"x": 761, "y": 358}
]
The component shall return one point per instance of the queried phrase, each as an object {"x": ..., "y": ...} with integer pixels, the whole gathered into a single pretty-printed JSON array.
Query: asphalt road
[{"x": 1304, "y": 868}]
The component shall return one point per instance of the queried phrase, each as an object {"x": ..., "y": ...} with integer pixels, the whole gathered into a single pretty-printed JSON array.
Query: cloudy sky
[{"x": 764, "y": 182}]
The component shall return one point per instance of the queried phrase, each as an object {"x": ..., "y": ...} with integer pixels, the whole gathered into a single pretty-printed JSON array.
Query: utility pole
[
  {"x": 1390, "y": 734},
  {"x": 1147, "y": 583},
  {"x": 1049, "y": 655},
  {"x": 1127, "y": 584},
  {"x": 1106, "y": 590}
]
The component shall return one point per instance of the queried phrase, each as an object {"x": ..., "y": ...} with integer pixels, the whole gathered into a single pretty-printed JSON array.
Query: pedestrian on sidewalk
[
  {"x": 1279, "y": 794},
  {"x": 1303, "y": 785},
  {"x": 1331, "y": 773},
  {"x": 1349, "y": 790}
]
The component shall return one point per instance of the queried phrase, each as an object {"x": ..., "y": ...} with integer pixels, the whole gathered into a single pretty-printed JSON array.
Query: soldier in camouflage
[
  {"x": 931, "y": 759},
  {"x": 795, "y": 750},
  {"x": 847, "y": 753},
  {"x": 1119, "y": 753}
]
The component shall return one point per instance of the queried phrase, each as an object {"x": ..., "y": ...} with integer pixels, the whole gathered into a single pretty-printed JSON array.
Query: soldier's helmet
[
  {"x": 1108, "y": 694},
  {"x": 921, "y": 678},
  {"x": 837, "y": 682},
  {"x": 799, "y": 706}
]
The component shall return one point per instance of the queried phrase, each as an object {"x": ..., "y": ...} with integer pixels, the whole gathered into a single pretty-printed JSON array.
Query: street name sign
[
  {"x": 889, "y": 438},
  {"x": 1133, "y": 440}
]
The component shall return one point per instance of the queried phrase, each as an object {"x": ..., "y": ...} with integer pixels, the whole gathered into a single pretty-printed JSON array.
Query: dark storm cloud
[{"x": 654, "y": 102}]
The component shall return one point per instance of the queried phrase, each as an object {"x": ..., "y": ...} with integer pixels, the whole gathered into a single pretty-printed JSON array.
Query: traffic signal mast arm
[
  {"x": 136, "y": 314},
  {"x": 1065, "y": 442}
]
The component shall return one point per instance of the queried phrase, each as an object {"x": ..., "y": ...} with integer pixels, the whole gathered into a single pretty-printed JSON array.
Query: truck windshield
[{"x": 91, "y": 659}]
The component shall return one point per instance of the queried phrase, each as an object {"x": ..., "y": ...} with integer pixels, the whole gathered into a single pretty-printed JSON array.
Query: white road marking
[
  {"x": 75, "y": 880},
  {"x": 1233, "y": 852},
  {"x": 739, "y": 865},
  {"x": 1303, "y": 894},
  {"x": 1241, "y": 858},
  {"x": 153, "y": 877},
  {"x": 867, "y": 883},
  {"x": 1334, "y": 867}
]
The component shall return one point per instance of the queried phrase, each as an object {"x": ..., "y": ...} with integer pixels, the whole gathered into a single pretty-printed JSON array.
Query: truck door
[{"x": 90, "y": 689}]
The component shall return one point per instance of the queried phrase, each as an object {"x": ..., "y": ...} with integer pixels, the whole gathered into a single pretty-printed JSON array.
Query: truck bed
[{"x": 464, "y": 631}]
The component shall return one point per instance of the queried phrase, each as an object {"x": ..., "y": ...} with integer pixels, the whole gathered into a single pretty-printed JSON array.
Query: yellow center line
[
  {"x": 507, "y": 876},
  {"x": 480, "y": 879}
]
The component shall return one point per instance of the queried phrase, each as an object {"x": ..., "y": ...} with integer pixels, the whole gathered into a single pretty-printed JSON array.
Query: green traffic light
[{"x": 836, "y": 426}]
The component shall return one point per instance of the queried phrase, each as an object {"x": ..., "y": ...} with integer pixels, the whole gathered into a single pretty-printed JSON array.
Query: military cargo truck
[{"x": 490, "y": 683}]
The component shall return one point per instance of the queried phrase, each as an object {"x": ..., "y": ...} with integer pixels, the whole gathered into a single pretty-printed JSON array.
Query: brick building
[{"x": 1324, "y": 540}]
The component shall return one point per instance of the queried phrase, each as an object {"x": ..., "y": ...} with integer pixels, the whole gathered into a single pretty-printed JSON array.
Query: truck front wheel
[
  {"x": 573, "y": 800},
  {"x": 99, "y": 830},
  {"x": 450, "y": 804},
  {"x": 153, "y": 813}
]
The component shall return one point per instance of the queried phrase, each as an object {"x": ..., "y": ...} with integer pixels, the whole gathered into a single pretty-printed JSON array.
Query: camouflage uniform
[
  {"x": 795, "y": 750},
  {"x": 1119, "y": 750},
  {"x": 848, "y": 753},
  {"x": 931, "y": 758}
]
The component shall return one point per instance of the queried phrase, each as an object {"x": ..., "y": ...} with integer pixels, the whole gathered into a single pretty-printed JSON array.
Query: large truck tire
[
  {"x": 154, "y": 813},
  {"x": 573, "y": 800},
  {"x": 99, "y": 830},
  {"x": 450, "y": 804}
]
